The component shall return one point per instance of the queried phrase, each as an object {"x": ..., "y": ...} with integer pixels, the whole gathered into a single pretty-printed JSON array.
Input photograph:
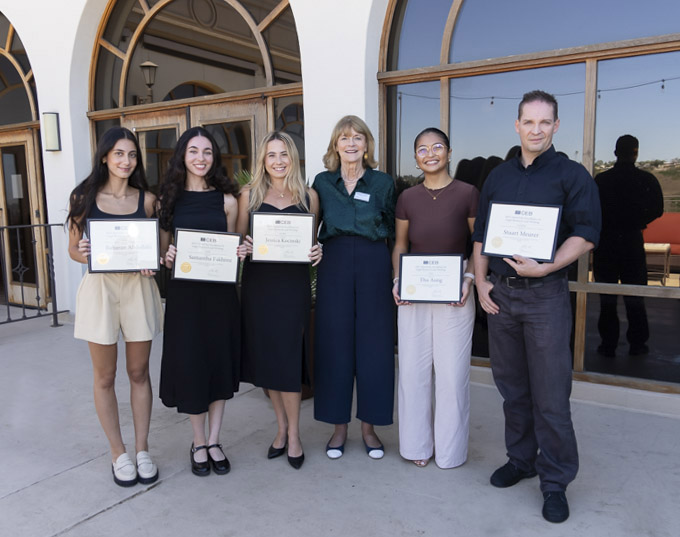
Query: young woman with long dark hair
[
  {"x": 110, "y": 303},
  {"x": 201, "y": 343}
]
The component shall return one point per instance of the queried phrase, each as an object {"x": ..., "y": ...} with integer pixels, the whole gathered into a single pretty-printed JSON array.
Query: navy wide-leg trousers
[{"x": 354, "y": 332}]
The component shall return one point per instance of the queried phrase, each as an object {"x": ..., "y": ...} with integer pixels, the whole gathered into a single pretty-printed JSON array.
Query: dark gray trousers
[{"x": 532, "y": 367}]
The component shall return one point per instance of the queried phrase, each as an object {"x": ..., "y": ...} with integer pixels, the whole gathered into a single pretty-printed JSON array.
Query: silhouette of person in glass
[{"x": 630, "y": 198}]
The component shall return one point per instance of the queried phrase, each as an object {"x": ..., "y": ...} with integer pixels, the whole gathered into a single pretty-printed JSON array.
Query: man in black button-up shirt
[{"x": 528, "y": 305}]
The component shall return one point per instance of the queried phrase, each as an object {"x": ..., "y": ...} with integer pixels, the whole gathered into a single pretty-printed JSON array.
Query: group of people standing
[{"x": 211, "y": 342}]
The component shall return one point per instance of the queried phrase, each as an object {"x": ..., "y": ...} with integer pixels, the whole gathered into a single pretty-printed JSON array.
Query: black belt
[{"x": 521, "y": 282}]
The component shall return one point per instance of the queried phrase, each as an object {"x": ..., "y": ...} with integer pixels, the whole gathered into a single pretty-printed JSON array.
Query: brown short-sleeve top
[{"x": 438, "y": 226}]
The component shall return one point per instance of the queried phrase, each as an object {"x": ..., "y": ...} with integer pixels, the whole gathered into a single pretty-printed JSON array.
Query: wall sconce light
[
  {"x": 149, "y": 72},
  {"x": 51, "y": 130}
]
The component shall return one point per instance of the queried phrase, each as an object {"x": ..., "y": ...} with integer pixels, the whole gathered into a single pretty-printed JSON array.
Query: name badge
[{"x": 362, "y": 196}]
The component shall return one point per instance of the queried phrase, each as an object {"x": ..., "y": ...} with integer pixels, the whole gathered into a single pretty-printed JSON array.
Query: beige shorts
[{"x": 110, "y": 303}]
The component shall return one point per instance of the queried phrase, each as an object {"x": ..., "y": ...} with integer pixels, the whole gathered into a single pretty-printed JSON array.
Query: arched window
[
  {"x": 229, "y": 45},
  {"x": 18, "y": 103},
  {"x": 463, "y": 66}
]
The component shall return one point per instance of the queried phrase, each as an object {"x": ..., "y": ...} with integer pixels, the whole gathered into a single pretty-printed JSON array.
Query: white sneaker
[
  {"x": 146, "y": 469},
  {"x": 124, "y": 472}
]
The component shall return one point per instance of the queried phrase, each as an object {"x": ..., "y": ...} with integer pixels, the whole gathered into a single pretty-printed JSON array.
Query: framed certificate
[
  {"x": 282, "y": 237},
  {"x": 208, "y": 256},
  {"x": 526, "y": 230},
  {"x": 430, "y": 278},
  {"x": 123, "y": 245}
]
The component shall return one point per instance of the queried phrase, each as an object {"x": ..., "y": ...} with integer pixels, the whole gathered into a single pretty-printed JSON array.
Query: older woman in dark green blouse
[{"x": 354, "y": 310}]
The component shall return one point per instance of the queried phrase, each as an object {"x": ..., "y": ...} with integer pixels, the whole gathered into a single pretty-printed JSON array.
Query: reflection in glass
[
  {"x": 234, "y": 141},
  {"x": 641, "y": 96},
  {"x": 289, "y": 118},
  {"x": 484, "y": 110},
  {"x": 411, "y": 108},
  {"x": 417, "y": 33},
  {"x": 157, "y": 147},
  {"x": 662, "y": 363},
  {"x": 14, "y": 104},
  {"x": 541, "y": 25},
  {"x": 17, "y": 213}
]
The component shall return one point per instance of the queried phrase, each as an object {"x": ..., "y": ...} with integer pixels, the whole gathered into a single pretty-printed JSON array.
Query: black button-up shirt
[
  {"x": 551, "y": 179},
  {"x": 368, "y": 212}
]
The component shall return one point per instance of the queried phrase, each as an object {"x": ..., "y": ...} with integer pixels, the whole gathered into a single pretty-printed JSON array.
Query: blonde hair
[
  {"x": 293, "y": 181},
  {"x": 331, "y": 160}
]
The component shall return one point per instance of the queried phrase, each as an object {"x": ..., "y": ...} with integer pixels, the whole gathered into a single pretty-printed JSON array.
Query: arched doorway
[
  {"x": 227, "y": 65},
  {"x": 23, "y": 275}
]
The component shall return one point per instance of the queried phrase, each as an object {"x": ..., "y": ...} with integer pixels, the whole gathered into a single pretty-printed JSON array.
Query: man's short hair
[
  {"x": 626, "y": 146},
  {"x": 538, "y": 95}
]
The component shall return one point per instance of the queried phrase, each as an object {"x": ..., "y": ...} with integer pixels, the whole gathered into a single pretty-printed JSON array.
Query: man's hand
[
  {"x": 527, "y": 267},
  {"x": 483, "y": 290}
]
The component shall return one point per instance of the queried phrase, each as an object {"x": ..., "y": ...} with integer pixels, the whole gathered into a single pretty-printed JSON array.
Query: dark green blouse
[{"x": 368, "y": 212}]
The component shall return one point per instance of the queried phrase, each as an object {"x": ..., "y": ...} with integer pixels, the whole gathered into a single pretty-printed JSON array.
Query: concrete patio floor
[{"x": 55, "y": 477}]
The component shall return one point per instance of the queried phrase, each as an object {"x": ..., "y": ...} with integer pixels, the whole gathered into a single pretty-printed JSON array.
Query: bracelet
[
  {"x": 396, "y": 280},
  {"x": 469, "y": 275}
]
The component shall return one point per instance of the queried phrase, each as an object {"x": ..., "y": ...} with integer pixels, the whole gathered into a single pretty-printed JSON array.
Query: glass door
[{"x": 24, "y": 249}]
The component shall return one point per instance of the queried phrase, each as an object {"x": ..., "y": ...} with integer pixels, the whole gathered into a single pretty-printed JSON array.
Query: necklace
[
  {"x": 280, "y": 193},
  {"x": 439, "y": 191}
]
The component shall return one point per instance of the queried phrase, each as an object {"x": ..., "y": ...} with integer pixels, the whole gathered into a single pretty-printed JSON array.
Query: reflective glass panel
[
  {"x": 17, "y": 213},
  {"x": 411, "y": 108},
  {"x": 417, "y": 33},
  {"x": 661, "y": 362},
  {"x": 536, "y": 25},
  {"x": 641, "y": 96},
  {"x": 234, "y": 140},
  {"x": 484, "y": 110},
  {"x": 282, "y": 39},
  {"x": 14, "y": 104},
  {"x": 289, "y": 118}
]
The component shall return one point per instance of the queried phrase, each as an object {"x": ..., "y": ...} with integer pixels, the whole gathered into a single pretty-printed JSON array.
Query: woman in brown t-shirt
[{"x": 435, "y": 217}]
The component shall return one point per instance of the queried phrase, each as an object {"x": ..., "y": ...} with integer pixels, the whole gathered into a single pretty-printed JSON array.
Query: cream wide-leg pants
[{"x": 435, "y": 344}]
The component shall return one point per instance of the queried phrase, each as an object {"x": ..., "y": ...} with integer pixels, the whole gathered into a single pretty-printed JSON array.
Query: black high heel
[
  {"x": 274, "y": 452},
  {"x": 296, "y": 462},
  {"x": 200, "y": 469},
  {"x": 221, "y": 467}
]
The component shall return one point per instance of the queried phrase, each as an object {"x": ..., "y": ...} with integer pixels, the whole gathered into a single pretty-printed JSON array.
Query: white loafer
[
  {"x": 147, "y": 471},
  {"x": 124, "y": 472}
]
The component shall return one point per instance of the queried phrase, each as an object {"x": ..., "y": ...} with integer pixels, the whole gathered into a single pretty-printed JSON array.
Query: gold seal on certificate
[
  {"x": 123, "y": 245},
  {"x": 282, "y": 237},
  {"x": 430, "y": 278},
  {"x": 208, "y": 256},
  {"x": 526, "y": 230}
]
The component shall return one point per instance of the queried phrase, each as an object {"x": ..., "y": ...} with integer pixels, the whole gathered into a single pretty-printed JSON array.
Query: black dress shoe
[
  {"x": 199, "y": 468},
  {"x": 221, "y": 467},
  {"x": 509, "y": 475},
  {"x": 296, "y": 462},
  {"x": 274, "y": 452},
  {"x": 555, "y": 506}
]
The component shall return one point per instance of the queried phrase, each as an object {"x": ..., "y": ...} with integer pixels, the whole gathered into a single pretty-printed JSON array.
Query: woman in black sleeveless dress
[
  {"x": 114, "y": 302},
  {"x": 276, "y": 297},
  {"x": 201, "y": 341}
]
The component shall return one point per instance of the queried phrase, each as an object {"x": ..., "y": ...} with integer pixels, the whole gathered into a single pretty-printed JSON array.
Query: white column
[{"x": 339, "y": 49}]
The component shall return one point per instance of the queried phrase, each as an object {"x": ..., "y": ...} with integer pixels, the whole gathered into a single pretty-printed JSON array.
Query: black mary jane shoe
[
  {"x": 220, "y": 467},
  {"x": 200, "y": 469},
  {"x": 274, "y": 452},
  {"x": 296, "y": 462}
]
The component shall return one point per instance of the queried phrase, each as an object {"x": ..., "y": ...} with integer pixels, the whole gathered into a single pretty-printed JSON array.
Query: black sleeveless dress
[
  {"x": 276, "y": 302},
  {"x": 201, "y": 339}
]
